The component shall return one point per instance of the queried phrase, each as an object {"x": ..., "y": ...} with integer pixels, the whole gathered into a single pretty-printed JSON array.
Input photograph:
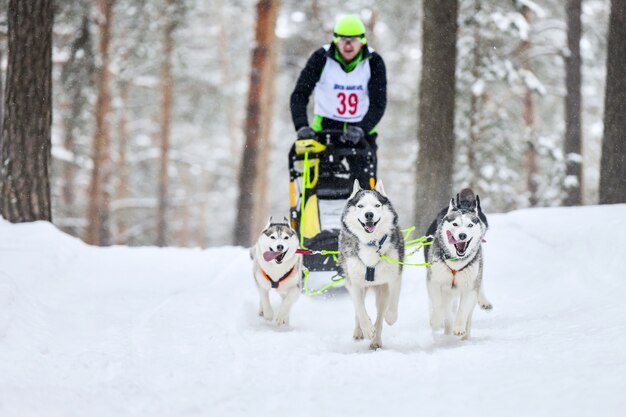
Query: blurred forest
[{"x": 162, "y": 85}]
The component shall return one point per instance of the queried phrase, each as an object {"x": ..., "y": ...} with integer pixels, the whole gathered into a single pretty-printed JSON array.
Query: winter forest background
[{"x": 194, "y": 58}]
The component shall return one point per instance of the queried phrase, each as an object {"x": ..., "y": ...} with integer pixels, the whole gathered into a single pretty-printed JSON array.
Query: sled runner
[{"x": 321, "y": 180}]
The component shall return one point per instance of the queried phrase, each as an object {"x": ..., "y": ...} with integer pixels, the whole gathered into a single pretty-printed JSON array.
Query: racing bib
[{"x": 343, "y": 96}]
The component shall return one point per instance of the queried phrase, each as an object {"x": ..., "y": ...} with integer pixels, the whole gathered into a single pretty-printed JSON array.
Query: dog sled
[{"x": 321, "y": 180}]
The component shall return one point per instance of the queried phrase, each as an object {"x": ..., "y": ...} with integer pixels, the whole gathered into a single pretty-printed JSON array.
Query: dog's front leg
[
  {"x": 449, "y": 308},
  {"x": 290, "y": 297},
  {"x": 358, "y": 298},
  {"x": 382, "y": 303},
  {"x": 358, "y": 333},
  {"x": 265, "y": 308},
  {"x": 483, "y": 302},
  {"x": 394, "y": 297},
  {"x": 437, "y": 311},
  {"x": 463, "y": 315}
]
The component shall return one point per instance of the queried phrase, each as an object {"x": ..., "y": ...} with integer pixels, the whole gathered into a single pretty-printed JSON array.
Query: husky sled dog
[
  {"x": 277, "y": 265},
  {"x": 370, "y": 230},
  {"x": 456, "y": 269}
]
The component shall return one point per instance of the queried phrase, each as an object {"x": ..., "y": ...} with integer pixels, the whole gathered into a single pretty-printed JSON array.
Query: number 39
[{"x": 349, "y": 103}]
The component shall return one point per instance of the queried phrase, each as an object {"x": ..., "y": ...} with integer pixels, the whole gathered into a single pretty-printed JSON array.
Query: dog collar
[
  {"x": 380, "y": 243},
  {"x": 275, "y": 284}
]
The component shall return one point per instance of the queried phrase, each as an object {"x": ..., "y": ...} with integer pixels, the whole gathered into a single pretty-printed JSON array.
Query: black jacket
[{"x": 310, "y": 75}]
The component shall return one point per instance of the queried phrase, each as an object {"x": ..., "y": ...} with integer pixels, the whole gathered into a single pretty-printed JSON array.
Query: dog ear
[
  {"x": 380, "y": 188},
  {"x": 451, "y": 207},
  {"x": 269, "y": 223},
  {"x": 355, "y": 189},
  {"x": 286, "y": 220},
  {"x": 478, "y": 209}
]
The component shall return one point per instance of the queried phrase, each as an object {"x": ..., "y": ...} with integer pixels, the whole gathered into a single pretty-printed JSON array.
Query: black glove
[
  {"x": 353, "y": 135},
  {"x": 306, "y": 132}
]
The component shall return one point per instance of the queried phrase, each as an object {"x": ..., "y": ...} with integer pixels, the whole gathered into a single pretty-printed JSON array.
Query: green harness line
[{"x": 415, "y": 244}]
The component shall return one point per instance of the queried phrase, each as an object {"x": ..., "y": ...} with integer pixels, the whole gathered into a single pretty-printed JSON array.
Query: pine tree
[
  {"x": 436, "y": 111},
  {"x": 98, "y": 212},
  {"x": 25, "y": 143},
  {"x": 260, "y": 82},
  {"x": 573, "y": 133},
  {"x": 613, "y": 169}
]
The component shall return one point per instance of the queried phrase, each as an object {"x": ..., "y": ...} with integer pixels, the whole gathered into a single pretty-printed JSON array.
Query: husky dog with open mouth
[
  {"x": 277, "y": 265},
  {"x": 456, "y": 269},
  {"x": 369, "y": 232}
]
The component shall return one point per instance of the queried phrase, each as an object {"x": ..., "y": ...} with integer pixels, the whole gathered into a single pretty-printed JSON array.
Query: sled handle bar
[{"x": 326, "y": 134}]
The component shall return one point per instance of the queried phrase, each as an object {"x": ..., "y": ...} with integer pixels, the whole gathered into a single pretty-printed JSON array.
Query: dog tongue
[
  {"x": 451, "y": 238},
  {"x": 270, "y": 255},
  {"x": 370, "y": 227}
]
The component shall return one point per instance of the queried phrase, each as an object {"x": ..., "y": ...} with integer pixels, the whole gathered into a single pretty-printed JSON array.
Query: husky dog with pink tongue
[
  {"x": 454, "y": 278},
  {"x": 276, "y": 265}
]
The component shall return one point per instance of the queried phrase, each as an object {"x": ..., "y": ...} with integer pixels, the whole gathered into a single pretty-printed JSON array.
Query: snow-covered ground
[{"x": 120, "y": 331}]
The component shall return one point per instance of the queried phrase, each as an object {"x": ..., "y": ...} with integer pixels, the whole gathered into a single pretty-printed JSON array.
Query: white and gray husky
[
  {"x": 369, "y": 231},
  {"x": 277, "y": 265},
  {"x": 456, "y": 269}
]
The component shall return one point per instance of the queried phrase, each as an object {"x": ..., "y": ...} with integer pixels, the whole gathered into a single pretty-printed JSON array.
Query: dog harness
[
  {"x": 454, "y": 272},
  {"x": 369, "y": 271},
  {"x": 275, "y": 284}
]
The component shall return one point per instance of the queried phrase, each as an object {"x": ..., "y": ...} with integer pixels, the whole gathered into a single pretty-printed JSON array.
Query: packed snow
[{"x": 119, "y": 331}]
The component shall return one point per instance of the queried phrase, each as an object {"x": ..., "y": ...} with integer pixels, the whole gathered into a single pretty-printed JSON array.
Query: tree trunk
[
  {"x": 261, "y": 186},
  {"x": 25, "y": 141},
  {"x": 436, "y": 111},
  {"x": 613, "y": 161},
  {"x": 529, "y": 122},
  {"x": 573, "y": 133},
  {"x": 122, "y": 166},
  {"x": 1, "y": 96},
  {"x": 75, "y": 77},
  {"x": 166, "y": 117},
  {"x": 267, "y": 11},
  {"x": 98, "y": 212}
]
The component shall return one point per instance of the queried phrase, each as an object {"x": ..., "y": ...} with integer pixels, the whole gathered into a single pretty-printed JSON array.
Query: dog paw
[
  {"x": 459, "y": 332},
  {"x": 375, "y": 345},
  {"x": 282, "y": 321},
  {"x": 486, "y": 305},
  {"x": 368, "y": 330},
  {"x": 358, "y": 333}
]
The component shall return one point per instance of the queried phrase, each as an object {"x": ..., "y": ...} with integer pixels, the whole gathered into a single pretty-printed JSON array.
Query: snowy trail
[{"x": 171, "y": 332}]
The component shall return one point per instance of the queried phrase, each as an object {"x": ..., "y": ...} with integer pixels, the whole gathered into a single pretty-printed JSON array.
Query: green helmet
[{"x": 349, "y": 25}]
